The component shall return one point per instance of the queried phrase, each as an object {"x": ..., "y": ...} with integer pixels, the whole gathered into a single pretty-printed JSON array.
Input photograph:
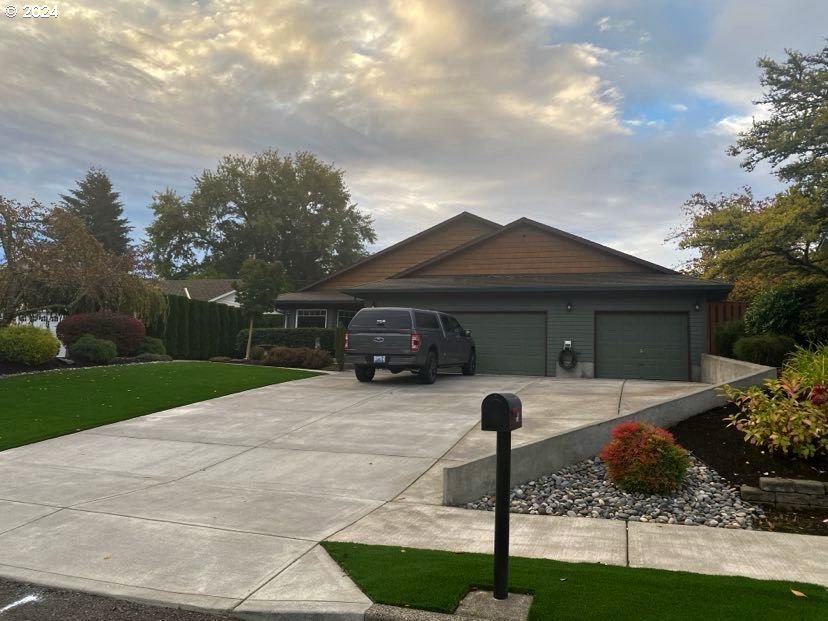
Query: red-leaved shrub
[
  {"x": 125, "y": 331},
  {"x": 644, "y": 458}
]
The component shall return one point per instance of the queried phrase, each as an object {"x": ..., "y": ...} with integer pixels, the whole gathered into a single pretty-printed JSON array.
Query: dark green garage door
[
  {"x": 508, "y": 343},
  {"x": 642, "y": 346}
]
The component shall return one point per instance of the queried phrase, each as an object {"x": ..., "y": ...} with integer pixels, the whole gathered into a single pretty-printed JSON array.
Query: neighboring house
[
  {"x": 525, "y": 290},
  {"x": 218, "y": 290}
]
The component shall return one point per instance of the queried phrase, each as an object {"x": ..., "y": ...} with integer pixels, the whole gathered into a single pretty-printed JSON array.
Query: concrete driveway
[{"x": 221, "y": 504}]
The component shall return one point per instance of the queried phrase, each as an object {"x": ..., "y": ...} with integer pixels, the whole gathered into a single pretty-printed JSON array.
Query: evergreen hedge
[
  {"x": 199, "y": 330},
  {"x": 288, "y": 337}
]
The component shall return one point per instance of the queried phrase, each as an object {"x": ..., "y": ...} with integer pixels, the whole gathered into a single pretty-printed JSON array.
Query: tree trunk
[{"x": 249, "y": 340}]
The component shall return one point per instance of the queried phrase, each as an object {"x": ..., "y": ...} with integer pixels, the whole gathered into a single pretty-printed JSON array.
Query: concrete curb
[{"x": 467, "y": 482}]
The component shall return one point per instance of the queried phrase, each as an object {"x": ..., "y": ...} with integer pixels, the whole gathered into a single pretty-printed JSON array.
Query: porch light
[{"x": 569, "y": 307}]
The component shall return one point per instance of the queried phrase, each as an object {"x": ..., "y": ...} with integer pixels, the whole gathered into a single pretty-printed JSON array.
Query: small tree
[{"x": 260, "y": 283}]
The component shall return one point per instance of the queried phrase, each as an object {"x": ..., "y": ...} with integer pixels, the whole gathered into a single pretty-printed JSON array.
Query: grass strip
[{"x": 436, "y": 580}]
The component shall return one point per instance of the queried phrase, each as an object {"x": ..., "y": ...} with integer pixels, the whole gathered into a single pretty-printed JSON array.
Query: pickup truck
[{"x": 400, "y": 339}]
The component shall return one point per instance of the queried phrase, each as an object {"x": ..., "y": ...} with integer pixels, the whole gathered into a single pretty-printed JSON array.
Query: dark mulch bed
[
  {"x": 724, "y": 449},
  {"x": 13, "y": 368}
]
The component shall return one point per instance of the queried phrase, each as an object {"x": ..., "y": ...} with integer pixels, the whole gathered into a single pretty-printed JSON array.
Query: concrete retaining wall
[{"x": 469, "y": 481}]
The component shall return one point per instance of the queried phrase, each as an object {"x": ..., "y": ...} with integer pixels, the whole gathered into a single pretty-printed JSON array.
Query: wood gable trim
[
  {"x": 594, "y": 246},
  {"x": 406, "y": 242}
]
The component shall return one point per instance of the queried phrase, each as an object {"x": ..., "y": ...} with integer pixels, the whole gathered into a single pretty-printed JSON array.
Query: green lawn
[
  {"x": 45, "y": 405},
  {"x": 435, "y": 580}
]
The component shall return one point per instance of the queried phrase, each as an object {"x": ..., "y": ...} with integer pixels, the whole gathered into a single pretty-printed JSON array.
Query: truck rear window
[{"x": 381, "y": 320}]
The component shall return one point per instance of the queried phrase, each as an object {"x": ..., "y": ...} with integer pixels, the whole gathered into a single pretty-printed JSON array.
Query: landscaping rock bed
[{"x": 584, "y": 490}]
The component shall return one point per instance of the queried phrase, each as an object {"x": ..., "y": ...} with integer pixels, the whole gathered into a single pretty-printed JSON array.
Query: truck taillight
[
  {"x": 415, "y": 342},
  {"x": 346, "y": 339}
]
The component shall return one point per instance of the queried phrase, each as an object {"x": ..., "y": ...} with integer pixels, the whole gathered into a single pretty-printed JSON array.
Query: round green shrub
[
  {"x": 91, "y": 350},
  {"x": 27, "y": 345},
  {"x": 644, "y": 458},
  {"x": 153, "y": 345},
  {"x": 768, "y": 349},
  {"x": 257, "y": 353}
]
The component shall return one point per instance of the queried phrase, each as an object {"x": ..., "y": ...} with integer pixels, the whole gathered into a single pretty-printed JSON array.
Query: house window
[
  {"x": 311, "y": 318},
  {"x": 344, "y": 317}
]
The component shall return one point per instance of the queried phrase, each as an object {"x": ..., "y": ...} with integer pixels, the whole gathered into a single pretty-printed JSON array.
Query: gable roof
[
  {"x": 206, "y": 289},
  {"x": 465, "y": 215},
  {"x": 542, "y": 227}
]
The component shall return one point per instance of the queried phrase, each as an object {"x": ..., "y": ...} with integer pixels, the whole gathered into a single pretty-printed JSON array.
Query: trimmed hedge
[
  {"x": 298, "y": 357},
  {"x": 125, "y": 331},
  {"x": 27, "y": 345},
  {"x": 768, "y": 349},
  {"x": 199, "y": 330},
  {"x": 288, "y": 337},
  {"x": 90, "y": 349}
]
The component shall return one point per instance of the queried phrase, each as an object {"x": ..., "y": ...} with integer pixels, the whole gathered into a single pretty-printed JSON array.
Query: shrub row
[
  {"x": 299, "y": 357},
  {"x": 27, "y": 345},
  {"x": 288, "y": 337}
]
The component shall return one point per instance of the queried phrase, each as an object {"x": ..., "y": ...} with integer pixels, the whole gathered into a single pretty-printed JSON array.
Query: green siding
[
  {"x": 577, "y": 325},
  {"x": 642, "y": 346},
  {"x": 508, "y": 343}
]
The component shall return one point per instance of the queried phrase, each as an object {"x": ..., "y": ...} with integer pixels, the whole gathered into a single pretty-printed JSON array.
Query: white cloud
[
  {"x": 608, "y": 23},
  {"x": 678, "y": 107}
]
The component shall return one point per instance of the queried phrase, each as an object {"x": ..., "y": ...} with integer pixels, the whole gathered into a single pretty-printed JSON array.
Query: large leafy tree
[
  {"x": 738, "y": 237},
  {"x": 293, "y": 209},
  {"x": 99, "y": 207},
  {"x": 794, "y": 139},
  {"x": 783, "y": 238},
  {"x": 49, "y": 260},
  {"x": 259, "y": 286}
]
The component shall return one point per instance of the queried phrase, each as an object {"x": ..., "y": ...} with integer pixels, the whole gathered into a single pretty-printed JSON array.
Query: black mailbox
[{"x": 501, "y": 412}]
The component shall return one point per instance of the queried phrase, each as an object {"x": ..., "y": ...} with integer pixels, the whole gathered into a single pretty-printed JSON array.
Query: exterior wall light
[
  {"x": 697, "y": 306},
  {"x": 569, "y": 307}
]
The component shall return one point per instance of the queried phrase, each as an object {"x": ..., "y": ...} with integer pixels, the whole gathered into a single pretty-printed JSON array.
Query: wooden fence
[{"x": 721, "y": 312}]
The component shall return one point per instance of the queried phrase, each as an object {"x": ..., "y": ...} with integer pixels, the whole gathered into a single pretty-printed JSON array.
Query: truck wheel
[
  {"x": 364, "y": 373},
  {"x": 428, "y": 372},
  {"x": 470, "y": 368}
]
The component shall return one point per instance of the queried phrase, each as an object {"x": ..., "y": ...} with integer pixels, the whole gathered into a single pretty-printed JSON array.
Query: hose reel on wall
[{"x": 568, "y": 359}]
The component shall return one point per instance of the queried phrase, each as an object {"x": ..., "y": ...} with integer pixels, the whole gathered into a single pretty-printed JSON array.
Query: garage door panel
[
  {"x": 642, "y": 345},
  {"x": 508, "y": 343}
]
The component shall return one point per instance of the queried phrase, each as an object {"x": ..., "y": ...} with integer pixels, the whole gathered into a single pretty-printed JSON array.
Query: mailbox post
[{"x": 503, "y": 413}]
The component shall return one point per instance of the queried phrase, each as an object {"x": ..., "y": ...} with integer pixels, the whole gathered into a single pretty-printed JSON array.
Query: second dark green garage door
[
  {"x": 508, "y": 343},
  {"x": 642, "y": 345}
]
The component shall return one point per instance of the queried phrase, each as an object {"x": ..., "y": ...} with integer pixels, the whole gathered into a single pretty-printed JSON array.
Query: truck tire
[
  {"x": 428, "y": 372},
  {"x": 470, "y": 368},
  {"x": 364, "y": 373}
]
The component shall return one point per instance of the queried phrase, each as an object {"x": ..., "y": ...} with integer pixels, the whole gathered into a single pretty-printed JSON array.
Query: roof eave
[{"x": 717, "y": 287}]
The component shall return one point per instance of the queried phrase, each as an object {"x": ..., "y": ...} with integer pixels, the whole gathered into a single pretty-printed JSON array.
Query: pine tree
[{"x": 95, "y": 202}]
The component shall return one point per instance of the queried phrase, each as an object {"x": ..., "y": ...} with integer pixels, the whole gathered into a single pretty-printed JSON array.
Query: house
[
  {"x": 527, "y": 291},
  {"x": 218, "y": 290}
]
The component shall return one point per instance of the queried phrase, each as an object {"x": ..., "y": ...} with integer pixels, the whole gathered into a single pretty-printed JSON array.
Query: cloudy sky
[{"x": 596, "y": 116}]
